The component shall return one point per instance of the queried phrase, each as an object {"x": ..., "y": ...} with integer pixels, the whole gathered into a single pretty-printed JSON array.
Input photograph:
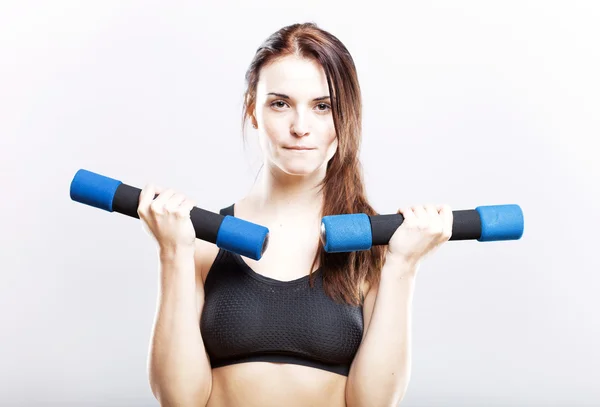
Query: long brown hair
[{"x": 343, "y": 188}]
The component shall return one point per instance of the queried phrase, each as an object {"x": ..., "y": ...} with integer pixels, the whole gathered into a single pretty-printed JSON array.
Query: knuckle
[
  {"x": 155, "y": 208},
  {"x": 148, "y": 188},
  {"x": 181, "y": 213}
]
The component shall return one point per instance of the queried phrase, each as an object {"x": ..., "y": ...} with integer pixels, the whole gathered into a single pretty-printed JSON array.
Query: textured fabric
[{"x": 250, "y": 317}]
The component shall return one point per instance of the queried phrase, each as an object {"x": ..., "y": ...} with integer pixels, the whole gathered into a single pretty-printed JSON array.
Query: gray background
[{"x": 466, "y": 102}]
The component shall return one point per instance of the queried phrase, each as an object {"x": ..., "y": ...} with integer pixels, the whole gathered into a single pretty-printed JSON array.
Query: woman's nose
[{"x": 300, "y": 125}]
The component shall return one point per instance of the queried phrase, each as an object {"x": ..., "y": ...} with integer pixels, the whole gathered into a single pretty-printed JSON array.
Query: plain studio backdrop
[{"x": 467, "y": 103}]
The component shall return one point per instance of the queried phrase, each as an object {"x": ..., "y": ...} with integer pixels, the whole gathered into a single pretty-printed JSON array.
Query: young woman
[{"x": 300, "y": 327}]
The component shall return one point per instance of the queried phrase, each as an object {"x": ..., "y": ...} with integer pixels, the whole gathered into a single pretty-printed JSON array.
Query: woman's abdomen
[{"x": 267, "y": 384}]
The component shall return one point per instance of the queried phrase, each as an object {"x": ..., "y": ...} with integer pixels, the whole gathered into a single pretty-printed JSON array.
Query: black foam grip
[
  {"x": 466, "y": 225},
  {"x": 206, "y": 224}
]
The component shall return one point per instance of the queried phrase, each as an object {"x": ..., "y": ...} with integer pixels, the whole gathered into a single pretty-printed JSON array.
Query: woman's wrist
[
  {"x": 401, "y": 265},
  {"x": 176, "y": 254}
]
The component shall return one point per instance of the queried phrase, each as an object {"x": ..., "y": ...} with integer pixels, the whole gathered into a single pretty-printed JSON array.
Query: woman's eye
[
  {"x": 322, "y": 106},
  {"x": 278, "y": 104}
]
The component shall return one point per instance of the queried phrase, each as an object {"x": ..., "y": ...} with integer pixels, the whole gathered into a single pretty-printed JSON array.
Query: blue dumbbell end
[
  {"x": 346, "y": 233},
  {"x": 242, "y": 237},
  {"x": 94, "y": 189},
  {"x": 500, "y": 222}
]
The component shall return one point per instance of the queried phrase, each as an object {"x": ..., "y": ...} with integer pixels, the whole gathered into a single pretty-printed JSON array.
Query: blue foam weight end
[
  {"x": 347, "y": 233},
  {"x": 500, "y": 222},
  {"x": 242, "y": 237},
  {"x": 94, "y": 189}
]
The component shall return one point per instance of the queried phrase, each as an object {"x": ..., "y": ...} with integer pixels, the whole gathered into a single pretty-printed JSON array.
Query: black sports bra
[{"x": 249, "y": 317}]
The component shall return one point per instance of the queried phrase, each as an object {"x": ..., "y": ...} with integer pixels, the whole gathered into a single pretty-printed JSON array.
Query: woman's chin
[{"x": 297, "y": 169}]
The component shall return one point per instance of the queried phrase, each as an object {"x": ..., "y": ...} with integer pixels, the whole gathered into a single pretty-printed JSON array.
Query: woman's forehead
[{"x": 293, "y": 76}]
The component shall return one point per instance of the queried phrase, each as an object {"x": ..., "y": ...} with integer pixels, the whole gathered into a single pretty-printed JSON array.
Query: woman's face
[{"x": 293, "y": 116}]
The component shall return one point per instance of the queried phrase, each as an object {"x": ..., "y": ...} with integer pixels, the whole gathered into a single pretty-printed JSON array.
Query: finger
[
  {"x": 422, "y": 218},
  {"x": 184, "y": 210},
  {"x": 432, "y": 211},
  {"x": 173, "y": 203},
  {"x": 434, "y": 219},
  {"x": 419, "y": 211},
  {"x": 157, "y": 206},
  {"x": 146, "y": 197},
  {"x": 157, "y": 191},
  {"x": 408, "y": 215},
  {"x": 447, "y": 220}
]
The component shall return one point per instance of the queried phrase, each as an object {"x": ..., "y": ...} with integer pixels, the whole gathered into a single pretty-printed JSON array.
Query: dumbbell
[
  {"x": 359, "y": 231},
  {"x": 227, "y": 232}
]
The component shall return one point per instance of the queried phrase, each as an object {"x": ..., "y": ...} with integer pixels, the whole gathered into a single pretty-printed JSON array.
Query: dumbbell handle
[{"x": 227, "y": 232}]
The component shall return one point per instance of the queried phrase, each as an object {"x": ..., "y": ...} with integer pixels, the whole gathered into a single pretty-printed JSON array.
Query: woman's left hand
[{"x": 424, "y": 229}]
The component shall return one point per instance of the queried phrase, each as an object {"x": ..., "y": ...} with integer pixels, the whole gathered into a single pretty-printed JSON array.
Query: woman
[{"x": 299, "y": 327}]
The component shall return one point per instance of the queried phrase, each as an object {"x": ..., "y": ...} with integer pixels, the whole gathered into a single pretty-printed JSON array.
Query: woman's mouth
[{"x": 299, "y": 148}]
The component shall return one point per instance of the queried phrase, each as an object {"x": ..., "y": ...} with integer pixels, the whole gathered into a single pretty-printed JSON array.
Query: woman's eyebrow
[{"x": 283, "y": 96}]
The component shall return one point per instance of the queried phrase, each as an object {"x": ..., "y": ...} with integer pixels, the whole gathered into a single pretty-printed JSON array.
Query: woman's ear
[{"x": 251, "y": 113}]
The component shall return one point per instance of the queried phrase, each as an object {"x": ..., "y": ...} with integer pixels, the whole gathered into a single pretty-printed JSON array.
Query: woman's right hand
[{"x": 167, "y": 218}]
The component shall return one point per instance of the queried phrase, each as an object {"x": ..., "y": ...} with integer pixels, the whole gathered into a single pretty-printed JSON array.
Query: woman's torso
[{"x": 272, "y": 382}]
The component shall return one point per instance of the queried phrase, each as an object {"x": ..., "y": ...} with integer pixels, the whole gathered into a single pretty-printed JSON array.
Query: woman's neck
[{"x": 287, "y": 196}]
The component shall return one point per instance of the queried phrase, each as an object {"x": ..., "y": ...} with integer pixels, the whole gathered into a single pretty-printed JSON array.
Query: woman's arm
[
  {"x": 380, "y": 371},
  {"x": 178, "y": 366}
]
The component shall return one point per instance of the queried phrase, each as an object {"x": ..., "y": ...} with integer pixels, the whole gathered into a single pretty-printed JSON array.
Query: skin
[{"x": 292, "y": 109}]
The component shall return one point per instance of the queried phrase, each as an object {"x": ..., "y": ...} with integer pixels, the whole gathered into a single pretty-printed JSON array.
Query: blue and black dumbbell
[
  {"x": 358, "y": 231},
  {"x": 227, "y": 232}
]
